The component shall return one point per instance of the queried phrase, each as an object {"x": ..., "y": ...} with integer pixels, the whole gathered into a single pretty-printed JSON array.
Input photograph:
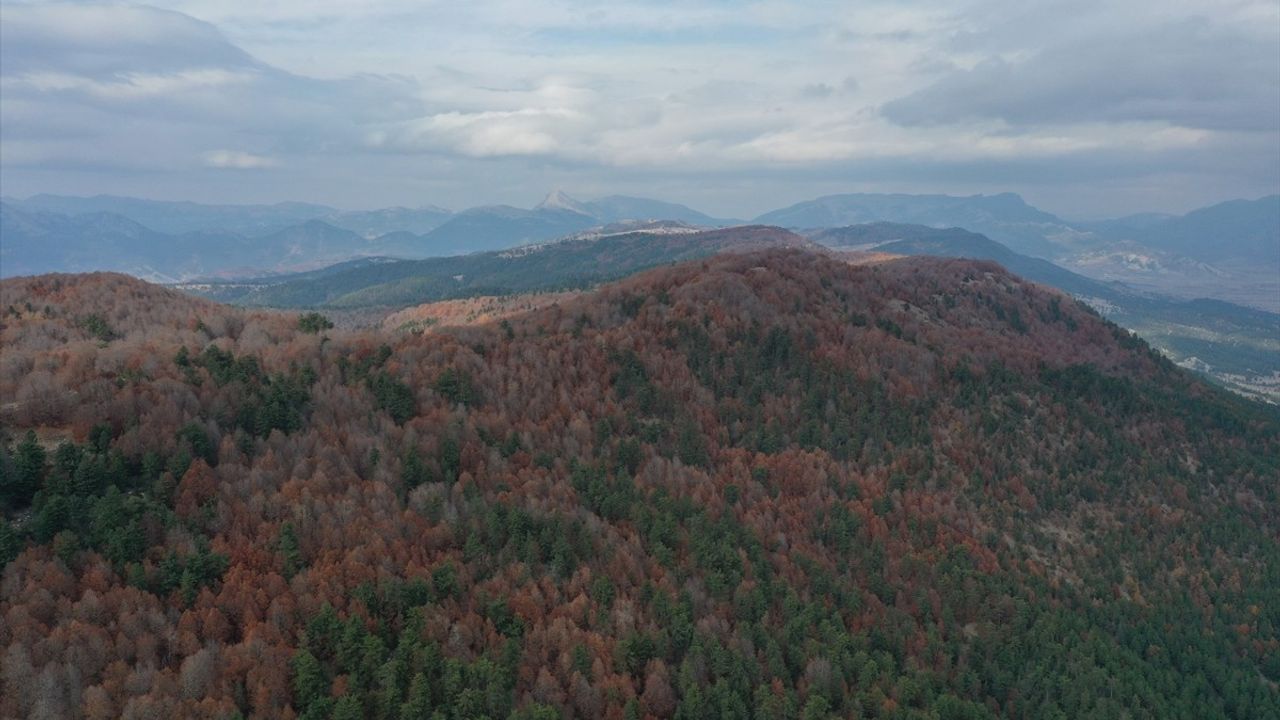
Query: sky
[{"x": 1087, "y": 108}]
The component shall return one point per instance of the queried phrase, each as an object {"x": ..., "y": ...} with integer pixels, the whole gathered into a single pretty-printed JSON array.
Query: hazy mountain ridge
[
  {"x": 385, "y": 221},
  {"x": 571, "y": 263},
  {"x": 177, "y": 217},
  {"x": 1005, "y": 217},
  {"x": 557, "y": 216},
  {"x": 619, "y": 208},
  {"x": 499, "y": 227},
  {"x": 33, "y": 242},
  {"x": 908, "y": 239},
  {"x": 1237, "y": 228},
  {"x": 186, "y": 240},
  {"x": 1229, "y": 251}
]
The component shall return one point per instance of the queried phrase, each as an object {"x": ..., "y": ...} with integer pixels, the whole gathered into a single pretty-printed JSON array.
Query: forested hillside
[
  {"x": 761, "y": 485},
  {"x": 1236, "y": 346},
  {"x": 576, "y": 262}
]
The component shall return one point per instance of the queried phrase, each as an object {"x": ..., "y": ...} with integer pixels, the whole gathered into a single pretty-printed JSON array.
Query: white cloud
[
  {"x": 1190, "y": 73},
  {"x": 237, "y": 160},
  {"x": 132, "y": 85},
  {"x": 482, "y": 134}
]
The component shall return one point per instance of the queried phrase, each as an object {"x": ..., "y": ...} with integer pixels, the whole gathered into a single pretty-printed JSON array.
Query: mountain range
[
  {"x": 1006, "y": 217},
  {"x": 33, "y": 241},
  {"x": 171, "y": 241},
  {"x": 1229, "y": 251},
  {"x": 177, "y": 218}
]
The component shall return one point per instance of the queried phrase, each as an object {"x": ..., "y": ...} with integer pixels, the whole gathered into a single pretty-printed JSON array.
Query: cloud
[
  {"x": 741, "y": 105},
  {"x": 817, "y": 90},
  {"x": 481, "y": 134},
  {"x": 237, "y": 160},
  {"x": 130, "y": 85},
  {"x": 105, "y": 40},
  {"x": 1190, "y": 73},
  {"x": 141, "y": 88}
]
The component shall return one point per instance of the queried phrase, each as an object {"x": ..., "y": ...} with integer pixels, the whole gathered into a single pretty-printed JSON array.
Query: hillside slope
[
  {"x": 755, "y": 485},
  {"x": 908, "y": 239},
  {"x": 572, "y": 263},
  {"x": 1236, "y": 346}
]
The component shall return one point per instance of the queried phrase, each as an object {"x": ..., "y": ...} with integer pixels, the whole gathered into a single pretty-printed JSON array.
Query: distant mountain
[
  {"x": 1229, "y": 251},
  {"x": 173, "y": 241},
  {"x": 36, "y": 242},
  {"x": 376, "y": 223},
  {"x": 570, "y": 263},
  {"x": 492, "y": 226},
  {"x": 904, "y": 239},
  {"x": 1238, "y": 346},
  {"x": 497, "y": 227},
  {"x": 1004, "y": 217},
  {"x": 558, "y": 200},
  {"x": 1236, "y": 229},
  {"x": 616, "y": 208},
  {"x": 833, "y": 210},
  {"x": 181, "y": 217},
  {"x": 619, "y": 208},
  {"x": 1128, "y": 223},
  {"x": 310, "y": 242}
]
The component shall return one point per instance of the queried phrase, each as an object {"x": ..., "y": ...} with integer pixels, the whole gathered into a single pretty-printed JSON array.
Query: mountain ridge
[
  {"x": 573, "y": 262},
  {"x": 1229, "y": 251},
  {"x": 754, "y": 484},
  {"x": 1237, "y": 346}
]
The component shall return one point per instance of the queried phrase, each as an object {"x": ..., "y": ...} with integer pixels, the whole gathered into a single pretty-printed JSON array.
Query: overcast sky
[{"x": 1087, "y": 109}]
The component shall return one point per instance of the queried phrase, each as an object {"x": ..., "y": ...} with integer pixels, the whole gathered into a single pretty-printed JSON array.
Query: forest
[{"x": 768, "y": 485}]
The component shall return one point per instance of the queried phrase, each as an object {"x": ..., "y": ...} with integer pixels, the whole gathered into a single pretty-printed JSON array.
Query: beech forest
[{"x": 765, "y": 485}]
